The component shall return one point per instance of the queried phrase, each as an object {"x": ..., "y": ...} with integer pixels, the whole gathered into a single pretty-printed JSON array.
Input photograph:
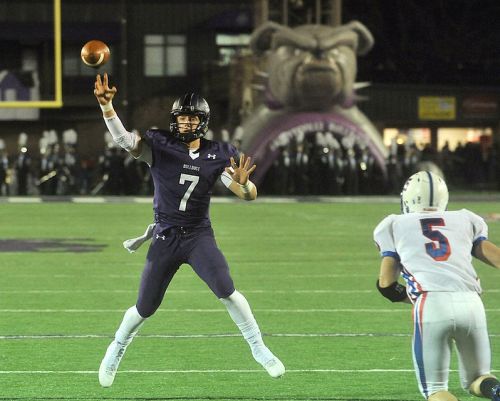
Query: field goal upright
[{"x": 54, "y": 99}]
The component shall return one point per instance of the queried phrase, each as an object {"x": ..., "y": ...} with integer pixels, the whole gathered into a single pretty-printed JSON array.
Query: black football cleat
[{"x": 495, "y": 393}]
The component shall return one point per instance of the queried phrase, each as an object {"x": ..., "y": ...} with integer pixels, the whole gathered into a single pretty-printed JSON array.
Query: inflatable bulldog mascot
[{"x": 311, "y": 87}]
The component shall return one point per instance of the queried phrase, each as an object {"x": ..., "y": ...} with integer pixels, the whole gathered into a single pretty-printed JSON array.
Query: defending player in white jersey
[{"x": 432, "y": 249}]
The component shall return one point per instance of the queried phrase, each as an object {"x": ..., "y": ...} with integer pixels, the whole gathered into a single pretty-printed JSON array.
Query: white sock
[
  {"x": 240, "y": 312},
  {"x": 129, "y": 327}
]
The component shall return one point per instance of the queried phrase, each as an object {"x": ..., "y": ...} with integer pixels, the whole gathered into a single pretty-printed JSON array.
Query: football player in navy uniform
[{"x": 184, "y": 167}]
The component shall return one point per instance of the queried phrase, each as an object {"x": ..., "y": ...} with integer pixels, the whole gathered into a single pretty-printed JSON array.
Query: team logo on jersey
[
  {"x": 210, "y": 156},
  {"x": 190, "y": 167},
  {"x": 160, "y": 237}
]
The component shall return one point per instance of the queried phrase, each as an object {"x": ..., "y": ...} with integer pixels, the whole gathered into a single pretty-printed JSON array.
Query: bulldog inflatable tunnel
[{"x": 311, "y": 73}]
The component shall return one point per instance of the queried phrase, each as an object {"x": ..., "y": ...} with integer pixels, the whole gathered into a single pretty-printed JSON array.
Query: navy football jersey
[{"x": 183, "y": 180}]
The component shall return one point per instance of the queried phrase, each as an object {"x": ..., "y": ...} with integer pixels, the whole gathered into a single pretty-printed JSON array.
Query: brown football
[{"x": 95, "y": 53}]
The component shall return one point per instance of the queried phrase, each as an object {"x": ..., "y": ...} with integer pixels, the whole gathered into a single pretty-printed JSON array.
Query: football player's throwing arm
[{"x": 130, "y": 141}]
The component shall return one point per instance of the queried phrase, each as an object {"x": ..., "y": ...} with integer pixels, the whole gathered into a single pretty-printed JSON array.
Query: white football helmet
[{"x": 424, "y": 191}]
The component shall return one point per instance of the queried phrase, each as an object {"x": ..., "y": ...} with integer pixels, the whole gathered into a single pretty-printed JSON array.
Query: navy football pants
[{"x": 173, "y": 247}]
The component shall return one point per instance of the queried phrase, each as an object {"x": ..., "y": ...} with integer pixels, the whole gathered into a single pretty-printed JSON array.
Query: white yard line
[
  {"x": 207, "y": 291},
  {"x": 204, "y": 371},
  {"x": 178, "y": 276},
  {"x": 215, "y": 310},
  {"x": 205, "y": 336},
  {"x": 133, "y": 291},
  {"x": 210, "y": 371},
  {"x": 198, "y": 336}
]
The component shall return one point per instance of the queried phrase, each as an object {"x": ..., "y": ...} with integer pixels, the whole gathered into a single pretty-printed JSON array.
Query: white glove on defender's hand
[{"x": 133, "y": 244}]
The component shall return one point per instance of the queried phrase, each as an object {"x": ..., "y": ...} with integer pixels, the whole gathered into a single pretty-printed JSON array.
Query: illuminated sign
[{"x": 437, "y": 108}]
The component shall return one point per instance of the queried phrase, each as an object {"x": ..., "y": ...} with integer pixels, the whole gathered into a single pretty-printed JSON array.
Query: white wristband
[
  {"x": 226, "y": 179},
  {"x": 106, "y": 107},
  {"x": 248, "y": 187}
]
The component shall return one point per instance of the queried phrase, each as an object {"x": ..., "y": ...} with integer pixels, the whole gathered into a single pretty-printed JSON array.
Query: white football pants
[{"x": 441, "y": 318}]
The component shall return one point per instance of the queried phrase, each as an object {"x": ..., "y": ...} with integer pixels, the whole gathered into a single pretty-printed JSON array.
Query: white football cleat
[
  {"x": 110, "y": 362},
  {"x": 275, "y": 368},
  {"x": 268, "y": 360}
]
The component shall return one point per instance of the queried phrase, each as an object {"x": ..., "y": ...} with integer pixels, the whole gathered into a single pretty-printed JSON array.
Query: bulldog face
[{"x": 312, "y": 67}]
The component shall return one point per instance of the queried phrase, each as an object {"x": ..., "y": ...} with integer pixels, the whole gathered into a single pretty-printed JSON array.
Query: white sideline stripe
[
  {"x": 230, "y": 199},
  {"x": 214, "y": 199},
  {"x": 142, "y": 200},
  {"x": 97, "y": 199},
  {"x": 20, "y": 199}
]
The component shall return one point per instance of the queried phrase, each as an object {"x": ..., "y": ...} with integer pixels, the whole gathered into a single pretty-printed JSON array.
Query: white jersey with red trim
[{"x": 434, "y": 249}]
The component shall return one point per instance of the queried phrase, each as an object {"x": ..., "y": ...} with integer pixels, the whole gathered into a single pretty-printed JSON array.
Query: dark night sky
[{"x": 430, "y": 42}]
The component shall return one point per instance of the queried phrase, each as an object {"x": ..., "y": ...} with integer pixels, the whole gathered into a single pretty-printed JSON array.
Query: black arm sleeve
[{"x": 395, "y": 292}]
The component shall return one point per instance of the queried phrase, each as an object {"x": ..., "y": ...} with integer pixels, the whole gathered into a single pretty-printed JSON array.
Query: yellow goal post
[{"x": 57, "y": 101}]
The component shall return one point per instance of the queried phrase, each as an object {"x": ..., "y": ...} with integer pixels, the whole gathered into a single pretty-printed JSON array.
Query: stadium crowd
[{"x": 313, "y": 163}]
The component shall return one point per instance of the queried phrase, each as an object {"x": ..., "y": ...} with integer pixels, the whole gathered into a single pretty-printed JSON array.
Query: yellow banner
[{"x": 437, "y": 108}]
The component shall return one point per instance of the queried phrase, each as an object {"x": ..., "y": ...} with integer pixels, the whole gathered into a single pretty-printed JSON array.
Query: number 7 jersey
[
  {"x": 433, "y": 248},
  {"x": 183, "y": 180}
]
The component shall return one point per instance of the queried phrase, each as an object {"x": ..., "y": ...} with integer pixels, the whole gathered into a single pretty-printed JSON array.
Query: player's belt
[{"x": 184, "y": 230}]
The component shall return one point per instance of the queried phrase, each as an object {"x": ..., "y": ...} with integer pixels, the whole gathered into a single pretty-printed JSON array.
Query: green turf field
[{"x": 307, "y": 269}]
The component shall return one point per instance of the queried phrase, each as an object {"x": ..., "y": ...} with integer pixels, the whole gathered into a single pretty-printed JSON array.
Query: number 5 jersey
[{"x": 433, "y": 248}]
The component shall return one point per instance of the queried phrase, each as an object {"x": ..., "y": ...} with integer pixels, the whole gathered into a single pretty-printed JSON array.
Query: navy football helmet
[{"x": 190, "y": 104}]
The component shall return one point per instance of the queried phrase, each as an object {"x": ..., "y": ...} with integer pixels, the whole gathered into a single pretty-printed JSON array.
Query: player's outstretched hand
[
  {"x": 241, "y": 172},
  {"x": 102, "y": 91}
]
